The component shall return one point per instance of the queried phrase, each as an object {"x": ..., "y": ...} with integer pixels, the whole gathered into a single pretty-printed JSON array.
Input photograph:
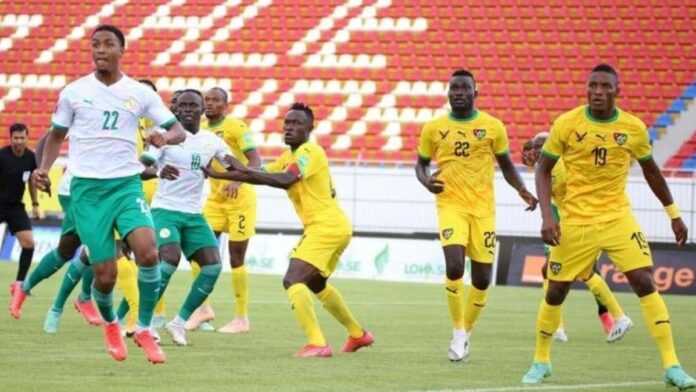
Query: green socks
[
  {"x": 49, "y": 264},
  {"x": 201, "y": 288},
  {"x": 149, "y": 280},
  {"x": 75, "y": 270},
  {"x": 105, "y": 304}
]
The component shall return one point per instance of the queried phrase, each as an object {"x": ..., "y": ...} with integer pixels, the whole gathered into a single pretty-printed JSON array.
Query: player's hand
[
  {"x": 550, "y": 233},
  {"x": 681, "y": 232},
  {"x": 434, "y": 185},
  {"x": 212, "y": 173},
  {"x": 233, "y": 164},
  {"x": 232, "y": 189},
  {"x": 156, "y": 139},
  {"x": 169, "y": 172},
  {"x": 35, "y": 213},
  {"x": 530, "y": 199},
  {"x": 41, "y": 181}
]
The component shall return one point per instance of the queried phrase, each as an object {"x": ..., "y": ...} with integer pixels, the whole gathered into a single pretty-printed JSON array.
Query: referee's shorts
[{"x": 16, "y": 218}]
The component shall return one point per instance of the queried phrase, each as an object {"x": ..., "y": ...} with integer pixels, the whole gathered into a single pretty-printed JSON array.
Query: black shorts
[{"x": 15, "y": 217}]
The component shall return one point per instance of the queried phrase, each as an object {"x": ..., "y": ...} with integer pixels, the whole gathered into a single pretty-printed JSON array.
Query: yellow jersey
[
  {"x": 597, "y": 155},
  {"x": 313, "y": 196},
  {"x": 240, "y": 139},
  {"x": 465, "y": 150},
  {"x": 558, "y": 183}
]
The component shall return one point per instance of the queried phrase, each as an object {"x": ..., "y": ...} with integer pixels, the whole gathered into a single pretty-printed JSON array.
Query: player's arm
[
  {"x": 175, "y": 134},
  {"x": 658, "y": 185},
  {"x": 513, "y": 178},
  {"x": 550, "y": 232},
  {"x": 238, "y": 172},
  {"x": 428, "y": 180},
  {"x": 50, "y": 152}
]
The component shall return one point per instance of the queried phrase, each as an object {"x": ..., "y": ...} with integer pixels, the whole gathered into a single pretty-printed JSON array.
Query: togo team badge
[
  {"x": 480, "y": 133},
  {"x": 555, "y": 267},
  {"x": 620, "y": 138},
  {"x": 447, "y": 233}
]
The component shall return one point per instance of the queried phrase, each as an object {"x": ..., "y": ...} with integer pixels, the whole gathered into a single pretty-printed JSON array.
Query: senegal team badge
[
  {"x": 130, "y": 104},
  {"x": 620, "y": 138},
  {"x": 480, "y": 133},
  {"x": 447, "y": 233}
]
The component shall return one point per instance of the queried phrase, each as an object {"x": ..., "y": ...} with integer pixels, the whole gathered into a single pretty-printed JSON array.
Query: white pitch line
[{"x": 554, "y": 387}]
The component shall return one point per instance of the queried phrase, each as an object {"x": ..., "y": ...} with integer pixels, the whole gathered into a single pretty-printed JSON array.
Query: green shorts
[
  {"x": 68, "y": 225},
  {"x": 191, "y": 231},
  {"x": 99, "y": 206}
]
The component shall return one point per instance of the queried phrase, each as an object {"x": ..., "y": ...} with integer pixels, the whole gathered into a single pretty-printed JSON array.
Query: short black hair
[
  {"x": 221, "y": 90},
  {"x": 189, "y": 90},
  {"x": 18, "y": 127},
  {"x": 303, "y": 108},
  {"x": 149, "y": 83},
  {"x": 606, "y": 68},
  {"x": 111, "y": 28},
  {"x": 463, "y": 72}
]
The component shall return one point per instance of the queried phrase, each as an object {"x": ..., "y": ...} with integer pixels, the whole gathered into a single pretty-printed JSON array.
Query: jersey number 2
[{"x": 110, "y": 120}]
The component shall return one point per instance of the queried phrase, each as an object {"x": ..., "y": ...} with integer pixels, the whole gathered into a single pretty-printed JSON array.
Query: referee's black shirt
[{"x": 15, "y": 172}]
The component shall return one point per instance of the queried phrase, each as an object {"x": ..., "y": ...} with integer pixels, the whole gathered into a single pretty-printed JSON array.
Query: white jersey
[
  {"x": 64, "y": 184},
  {"x": 103, "y": 124},
  {"x": 185, "y": 194}
]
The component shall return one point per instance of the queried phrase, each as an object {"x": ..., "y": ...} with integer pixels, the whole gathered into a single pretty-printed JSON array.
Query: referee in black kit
[{"x": 16, "y": 164}]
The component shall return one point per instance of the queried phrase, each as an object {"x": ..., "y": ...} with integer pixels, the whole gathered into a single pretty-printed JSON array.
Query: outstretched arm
[
  {"x": 658, "y": 185},
  {"x": 513, "y": 178},
  {"x": 238, "y": 172}
]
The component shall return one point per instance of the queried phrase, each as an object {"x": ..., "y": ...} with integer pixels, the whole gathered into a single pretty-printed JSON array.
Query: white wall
[{"x": 390, "y": 199}]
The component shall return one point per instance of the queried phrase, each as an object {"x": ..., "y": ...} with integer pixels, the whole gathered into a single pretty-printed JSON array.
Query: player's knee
[
  {"x": 147, "y": 257},
  {"x": 454, "y": 269},
  {"x": 641, "y": 281},
  {"x": 481, "y": 281},
  {"x": 555, "y": 295},
  {"x": 26, "y": 242}
]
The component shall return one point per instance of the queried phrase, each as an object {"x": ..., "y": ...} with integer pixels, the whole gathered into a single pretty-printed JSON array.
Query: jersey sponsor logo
[
  {"x": 480, "y": 133},
  {"x": 447, "y": 233},
  {"x": 620, "y": 138},
  {"x": 555, "y": 267},
  {"x": 578, "y": 137}
]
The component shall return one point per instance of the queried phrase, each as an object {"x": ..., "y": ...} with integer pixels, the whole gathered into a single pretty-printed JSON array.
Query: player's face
[
  {"x": 215, "y": 103},
  {"x": 106, "y": 50},
  {"x": 462, "y": 92},
  {"x": 190, "y": 109},
  {"x": 602, "y": 88},
  {"x": 296, "y": 127},
  {"x": 172, "y": 102},
  {"x": 18, "y": 140}
]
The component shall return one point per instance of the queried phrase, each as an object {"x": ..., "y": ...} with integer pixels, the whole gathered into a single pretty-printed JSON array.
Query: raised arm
[{"x": 658, "y": 185}]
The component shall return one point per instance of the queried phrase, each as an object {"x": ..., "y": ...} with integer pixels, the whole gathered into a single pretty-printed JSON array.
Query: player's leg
[
  {"x": 201, "y": 317},
  {"x": 572, "y": 258},
  {"x": 295, "y": 283},
  {"x": 240, "y": 288},
  {"x": 20, "y": 226},
  {"x": 127, "y": 282},
  {"x": 608, "y": 308},
  {"x": 73, "y": 275},
  {"x": 627, "y": 246},
  {"x": 560, "y": 334}
]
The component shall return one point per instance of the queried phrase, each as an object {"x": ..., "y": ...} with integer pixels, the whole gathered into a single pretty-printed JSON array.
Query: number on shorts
[
  {"x": 242, "y": 222},
  {"x": 143, "y": 206},
  {"x": 489, "y": 239},
  {"x": 639, "y": 237}
]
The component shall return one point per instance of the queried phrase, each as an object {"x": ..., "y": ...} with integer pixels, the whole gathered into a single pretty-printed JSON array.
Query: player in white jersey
[
  {"x": 102, "y": 111},
  {"x": 177, "y": 209},
  {"x": 51, "y": 262}
]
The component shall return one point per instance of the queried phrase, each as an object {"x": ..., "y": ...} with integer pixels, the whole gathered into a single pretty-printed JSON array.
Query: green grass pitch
[{"x": 411, "y": 326}]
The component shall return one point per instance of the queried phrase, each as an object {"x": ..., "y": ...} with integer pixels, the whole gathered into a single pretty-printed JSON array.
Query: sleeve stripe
[
  {"x": 58, "y": 126},
  {"x": 168, "y": 124},
  {"x": 645, "y": 158},
  {"x": 550, "y": 155},
  {"x": 504, "y": 152},
  {"x": 252, "y": 148},
  {"x": 423, "y": 156}
]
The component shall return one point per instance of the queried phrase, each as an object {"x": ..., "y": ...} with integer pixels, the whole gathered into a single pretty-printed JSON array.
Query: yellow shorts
[
  {"x": 149, "y": 189},
  {"x": 238, "y": 220},
  {"x": 476, "y": 234},
  {"x": 622, "y": 239},
  {"x": 322, "y": 247}
]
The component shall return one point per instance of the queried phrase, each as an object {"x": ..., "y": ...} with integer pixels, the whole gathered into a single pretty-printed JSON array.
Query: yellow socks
[
  {"x": 657, "y": 319},
  {"x": 240, "y": 286},
  {"x": 545, "y": 286},
  {"x": 475, "y": 302},
  {"x": 127, "y": 282},
  {"x": 599, "y": 288},
  {"x": 548, "y": 320},
  {"x": 455, "y": 302},
  {"x": 303, "y": 307},
  {"x": 333, "y": 302}
]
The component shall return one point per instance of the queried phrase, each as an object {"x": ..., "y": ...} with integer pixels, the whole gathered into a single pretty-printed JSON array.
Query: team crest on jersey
[
  {"x": 480, "y": 133},
  {"x": 165, "y": 233},
  {"x": 620, "y": 138},
  {"x": 447, "y": 233},
  {"x": 555, "y": 267},
  {"x": 130, "y": 104}
]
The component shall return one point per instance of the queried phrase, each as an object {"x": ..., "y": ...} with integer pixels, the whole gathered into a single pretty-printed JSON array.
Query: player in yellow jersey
[
  {"x": 466, "y": 143},
  {"x": 230, "y": 208},
  {"x": 595, "y": 283},
  {"x": 303, "y": 170},
  {"x": 598, "y": 142}
]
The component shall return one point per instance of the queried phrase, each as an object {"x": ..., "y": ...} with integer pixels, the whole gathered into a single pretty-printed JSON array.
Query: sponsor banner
[
  {"x": 674, "y": 271},
  {"x": 377, "y": 258}
]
